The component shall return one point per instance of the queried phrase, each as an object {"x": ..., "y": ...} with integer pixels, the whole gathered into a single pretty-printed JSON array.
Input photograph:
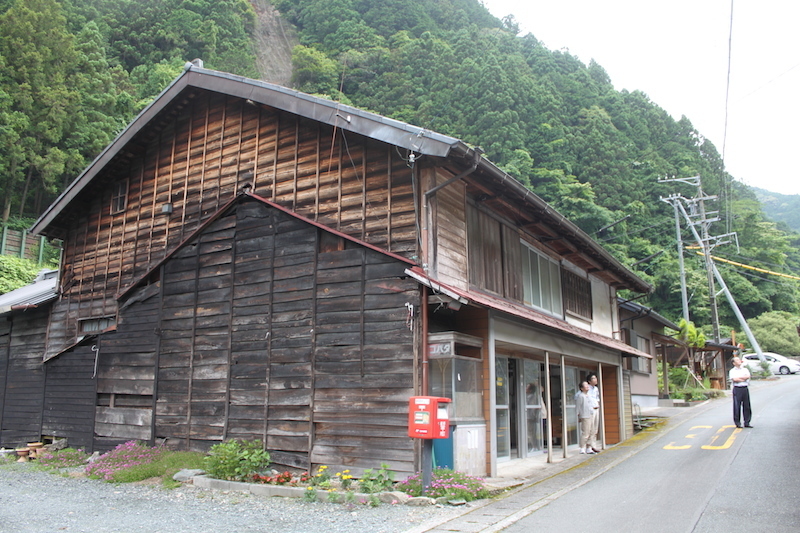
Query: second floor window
[
  {"x": 95, "y": 325},
  {"x": 577, "y": 294},
  {"x": 541, "y": 281},
  {"x": 119, "y": 197}
]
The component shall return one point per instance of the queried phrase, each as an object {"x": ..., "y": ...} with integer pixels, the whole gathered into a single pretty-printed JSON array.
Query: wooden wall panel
[
  {"x": 23, "y": 403},
  {"x": 611, "y": 403},
  {"x": 363, "y": 362},
  {"x": 5, "y": 341},
  {"x": 451, "y": 234},
  {"x": 69, "y": 400},
  {"x": 264, "y": 337},
  {"x": 126, "y": 372},
  {"x": 196, "y": 161}
]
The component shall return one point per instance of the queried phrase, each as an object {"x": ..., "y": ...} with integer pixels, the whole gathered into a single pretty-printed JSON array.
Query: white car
[{"x": 778, "y": 364}]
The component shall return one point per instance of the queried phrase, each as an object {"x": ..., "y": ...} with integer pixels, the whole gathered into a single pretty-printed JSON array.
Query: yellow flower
[{"x": 310, "y": 488}]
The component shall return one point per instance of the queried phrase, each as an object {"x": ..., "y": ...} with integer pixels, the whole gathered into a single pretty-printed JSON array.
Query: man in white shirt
[
  {"x": 594, "y": 393},
  {"x": 585, "y": 406},
  {"x": 740, "y": 385}
]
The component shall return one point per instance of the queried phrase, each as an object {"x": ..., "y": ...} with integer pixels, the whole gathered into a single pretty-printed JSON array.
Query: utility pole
[
  {"x": 679, "y": 238},
  {"x": 705, "y": 244},
  {"x": 698, "y": 216}
]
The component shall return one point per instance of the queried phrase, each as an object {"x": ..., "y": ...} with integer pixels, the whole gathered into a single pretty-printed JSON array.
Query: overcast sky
[{"x": 677, "y": 53}]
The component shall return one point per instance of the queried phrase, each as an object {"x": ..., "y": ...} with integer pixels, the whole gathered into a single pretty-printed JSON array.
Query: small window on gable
[
  {"x": 119, "y": 197},
  {"x": 95, "y": 325},
  {"x": 577, "y": 294}
]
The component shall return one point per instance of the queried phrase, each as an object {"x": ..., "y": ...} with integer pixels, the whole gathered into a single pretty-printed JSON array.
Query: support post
[{"x": 427, "y": 463}]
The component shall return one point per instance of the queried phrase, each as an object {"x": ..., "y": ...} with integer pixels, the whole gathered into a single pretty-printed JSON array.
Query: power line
[{"x": 757, "y": 269}]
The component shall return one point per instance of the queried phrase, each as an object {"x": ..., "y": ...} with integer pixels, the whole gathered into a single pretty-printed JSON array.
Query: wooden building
[{"x": 245, "y": 260}]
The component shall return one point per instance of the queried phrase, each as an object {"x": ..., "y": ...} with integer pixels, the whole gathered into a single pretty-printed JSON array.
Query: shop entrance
[
  {"x": 563, "y": 406},
  {"x": 519, "y": 407}
]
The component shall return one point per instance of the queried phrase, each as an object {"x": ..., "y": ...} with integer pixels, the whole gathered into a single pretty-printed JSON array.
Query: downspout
[
  {"x": 424, "y": 315},
  {"x": 640, "y": 314},
  {"x": 424, "y": 318},
  {"x": 475, "y": 160}
]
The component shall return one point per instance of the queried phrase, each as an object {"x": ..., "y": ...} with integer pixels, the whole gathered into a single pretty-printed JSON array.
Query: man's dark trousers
[{"x": 741, "y": 405}]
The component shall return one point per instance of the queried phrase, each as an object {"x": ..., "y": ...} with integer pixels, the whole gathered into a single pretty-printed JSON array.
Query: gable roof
[
  {"x": 642, "y": 311},
  {"x": 243, "y": 196},
  {"x": 420, "y": 141}
]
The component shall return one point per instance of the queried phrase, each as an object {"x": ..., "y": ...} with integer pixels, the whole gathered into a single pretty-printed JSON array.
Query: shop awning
[{"x": 524, "y": 312}]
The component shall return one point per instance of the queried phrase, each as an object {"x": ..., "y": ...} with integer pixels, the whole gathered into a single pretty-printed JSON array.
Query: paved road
[{"x": 703, "y": 475}]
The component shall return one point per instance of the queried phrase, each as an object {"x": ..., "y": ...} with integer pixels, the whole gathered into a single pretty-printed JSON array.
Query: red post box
[{"x": 428, "y": 417}]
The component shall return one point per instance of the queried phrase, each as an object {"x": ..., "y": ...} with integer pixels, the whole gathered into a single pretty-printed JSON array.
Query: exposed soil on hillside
[{"x": 274, "y": 41}]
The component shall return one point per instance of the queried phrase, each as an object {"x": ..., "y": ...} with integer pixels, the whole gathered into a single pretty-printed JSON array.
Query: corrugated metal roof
[
  {"x": 43, "y": 289},
  {"x": 633, "y": 307}
]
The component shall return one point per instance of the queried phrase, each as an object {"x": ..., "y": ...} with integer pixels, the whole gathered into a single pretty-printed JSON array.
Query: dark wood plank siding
[
  {"x": 485, "y": 251},
  {"x": 512, "y": 264},
  {"x": 24, "y": 394},
  {"x": 69, "y": 399},
  {"x": 363, "y": 359},
  {"x": 5, "y": 340},
  {"x": 126, "y": 372},
  {"x": 196, "y": 160},
  {"x": 451, "y": 234},
  {"x": 265, "y": 337}
]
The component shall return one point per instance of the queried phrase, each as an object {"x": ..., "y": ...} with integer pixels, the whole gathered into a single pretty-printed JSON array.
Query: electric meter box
[{"x": 428, "y": 417}]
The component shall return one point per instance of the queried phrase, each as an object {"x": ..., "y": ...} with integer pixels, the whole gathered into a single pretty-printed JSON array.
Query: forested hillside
[
  {"x": 74, "y": 72},
  {"x": 781, "y": 208}
]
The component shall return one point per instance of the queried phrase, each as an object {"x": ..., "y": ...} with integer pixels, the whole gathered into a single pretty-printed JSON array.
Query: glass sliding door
[
  {"x": 502, "y": 408},
  {"x": 534, "y": 406},
  {"x": 572, "y": 388}
]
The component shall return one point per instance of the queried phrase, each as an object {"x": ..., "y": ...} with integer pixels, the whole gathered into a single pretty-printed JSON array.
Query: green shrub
[
  {"x": 236, "y": 460},
  {"x": 371, "y": 481},
  {"x": 16, "y": 272},
  {"x": 678, "y": 378}
]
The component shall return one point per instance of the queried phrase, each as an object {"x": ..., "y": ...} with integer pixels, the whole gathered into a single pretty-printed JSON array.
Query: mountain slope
[{"x": 782, "y": 208}]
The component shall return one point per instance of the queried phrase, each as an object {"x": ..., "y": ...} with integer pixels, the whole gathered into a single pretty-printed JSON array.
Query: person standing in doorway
[
  {"x": 585, "y": 406},
  {"x": 740, "y": 386},
  {"x": 594, "y": 392}
]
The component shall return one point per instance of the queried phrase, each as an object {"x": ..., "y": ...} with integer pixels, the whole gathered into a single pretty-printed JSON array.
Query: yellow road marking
[
  {"x": 673, "y": 446},
  {"x": 728, "y": 442}
]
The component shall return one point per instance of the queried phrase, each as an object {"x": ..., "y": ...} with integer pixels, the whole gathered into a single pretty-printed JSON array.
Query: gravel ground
[{"x": 36, "y": 501}]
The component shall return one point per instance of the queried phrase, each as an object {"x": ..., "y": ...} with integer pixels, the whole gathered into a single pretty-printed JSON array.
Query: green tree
[
  {"x": 39, "y": 54},
  {"x": 777, "y": 331},
  {"x": 16, "y": 272},
  {"x": 314, "y": 72}
]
